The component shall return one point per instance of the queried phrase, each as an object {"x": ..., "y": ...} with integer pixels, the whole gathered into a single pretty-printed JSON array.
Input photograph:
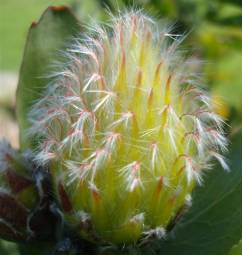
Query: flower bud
[{"x": 126, "y": 131}]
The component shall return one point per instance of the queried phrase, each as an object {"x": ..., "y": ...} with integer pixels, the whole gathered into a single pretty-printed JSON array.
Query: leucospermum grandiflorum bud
[
  {"x": 23, "y": 209},
  {"x": 126, "y": 131}
]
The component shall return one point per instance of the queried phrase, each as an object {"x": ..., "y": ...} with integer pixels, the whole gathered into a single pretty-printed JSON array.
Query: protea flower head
[
  {"x": 22, "y": 203},
  {"x": 126, "y": 131}
]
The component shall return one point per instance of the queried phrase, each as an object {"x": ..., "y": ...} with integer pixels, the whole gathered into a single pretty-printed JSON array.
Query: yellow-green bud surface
[{"x": 126, "y": 130}]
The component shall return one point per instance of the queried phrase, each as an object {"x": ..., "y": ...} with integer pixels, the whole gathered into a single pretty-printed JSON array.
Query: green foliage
[
  {"x": 28, "y": 249},
  {"x": 228, "y": 79},
  {"x": 235, "y": 2},
  {"x": 237, "y": 249},
  {"x": 55, "y": 29},
  {"x": 232, "y": 21},
  {"x": 8, "y": 248}
]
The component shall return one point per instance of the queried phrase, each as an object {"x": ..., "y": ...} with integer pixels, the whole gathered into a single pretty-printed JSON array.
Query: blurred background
[{"x": 214, "y": 34}]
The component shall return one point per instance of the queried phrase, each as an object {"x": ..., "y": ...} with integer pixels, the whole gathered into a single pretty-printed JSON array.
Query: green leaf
[
  {"x": 227, "y": 79},
  {"x": 214, "y": 223},
  {"x": 35, "y": 249},
  {"x": 235, "y": 21},
  {"x": 237, "y": 249},
  {"x": 234, "y": 2},
  {"x": 7, "y": 248},
  {"x": 56, "y": 27}
]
